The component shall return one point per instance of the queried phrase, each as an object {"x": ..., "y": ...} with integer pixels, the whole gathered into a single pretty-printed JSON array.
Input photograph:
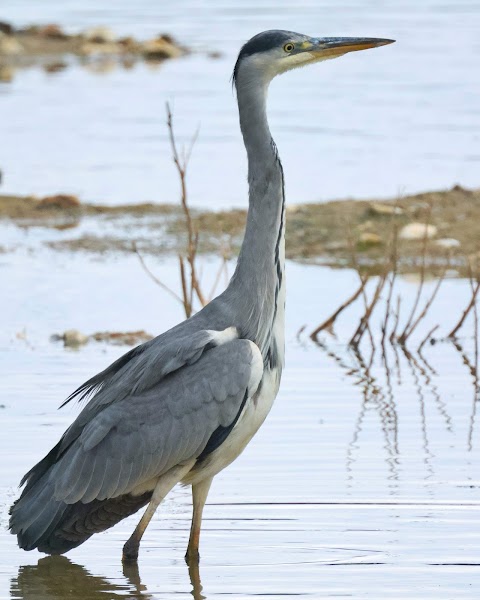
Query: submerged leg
[
  {"x": 163, "y": 487},
  {"x": 199, "y": 495}
]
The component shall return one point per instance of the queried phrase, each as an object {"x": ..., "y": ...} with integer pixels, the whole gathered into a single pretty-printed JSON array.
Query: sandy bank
[
  {"x": 50, "y": 47},
  {"x": 322, "y": 233}
]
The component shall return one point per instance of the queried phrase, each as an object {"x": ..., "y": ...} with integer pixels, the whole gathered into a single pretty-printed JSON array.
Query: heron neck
[{"x": 259, "y": 272}]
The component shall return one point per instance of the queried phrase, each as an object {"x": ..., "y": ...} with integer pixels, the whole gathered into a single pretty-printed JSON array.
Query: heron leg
[
  {"x": 163, "y": 487},
  {"x": 199, "y": 494}
]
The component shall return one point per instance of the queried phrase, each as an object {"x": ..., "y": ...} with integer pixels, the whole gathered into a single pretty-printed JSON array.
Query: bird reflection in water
[{"x": 58, "y": 578}]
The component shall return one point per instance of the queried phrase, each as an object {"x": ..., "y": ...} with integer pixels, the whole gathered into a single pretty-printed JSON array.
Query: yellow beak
[{"x": 330, "y": 47}]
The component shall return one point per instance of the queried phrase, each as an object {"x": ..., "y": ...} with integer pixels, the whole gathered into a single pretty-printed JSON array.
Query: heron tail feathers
[{"x": 54, "y": 527}]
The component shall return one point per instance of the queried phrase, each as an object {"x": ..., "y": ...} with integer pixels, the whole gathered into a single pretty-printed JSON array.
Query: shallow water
[
  {"x": 400, "y": 119},
  {"x": 361, "y": 484}
]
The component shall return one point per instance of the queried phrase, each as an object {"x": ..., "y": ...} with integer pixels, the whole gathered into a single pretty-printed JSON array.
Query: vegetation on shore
[{"x": 326, "y": 233}]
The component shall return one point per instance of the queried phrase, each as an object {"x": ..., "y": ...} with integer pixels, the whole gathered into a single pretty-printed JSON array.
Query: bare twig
[
  {"x": 426, "y": 338},
  {"x": 475, "y": 332},
  {"x": 426, "y": 308},
  {"x": 195, "y": 280},
  {"x": 394, "y": 263},
  {"x": 154, "y": 277},
  {"x": 363, "y": 279},
  {"x": 186, "y": 296},
  {"x": 393, "y": 333},
  {"x": 191, "y": 284},
  {"x": 299, "y": 333},
  {"x": 466, "y": 312},
  {"x": 403, "y": 336},
  {"x": 328, "y": 323},
  {"x": 364, "y": 321}
]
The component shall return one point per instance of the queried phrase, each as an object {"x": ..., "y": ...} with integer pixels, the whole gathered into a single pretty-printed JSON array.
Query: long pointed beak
[{"x": 336, "y": 46}]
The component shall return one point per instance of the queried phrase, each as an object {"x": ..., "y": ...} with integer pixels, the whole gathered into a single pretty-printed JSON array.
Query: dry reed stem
[
  {"x": 186, "y": 296},
  {"x": 388, "y": 311},
  {"x": 426, "y": 338},
  {"x": 363, "y": 280},
  {"x": 475, "y": 331},
  {"x": 181, "y": 164},
  {"x": 154, "y": 277},
  {"x": 426, "y": 308},
  {"x": 466, "y": 312},
  {"x": 364, "y": 321},
  {"x": 403, "y": 336},
  {"x": 393, "y": 333},
  {"x": 394, "y": 263},
  {"x": 190, "y": 283},
  {"x": 328, "y": 323}
]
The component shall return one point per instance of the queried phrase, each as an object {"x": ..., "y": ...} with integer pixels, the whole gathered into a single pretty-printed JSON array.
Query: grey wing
[{"x": 138, "y": 438}]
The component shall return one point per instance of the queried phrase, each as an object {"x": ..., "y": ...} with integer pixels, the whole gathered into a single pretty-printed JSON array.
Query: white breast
[
  {"x": 256, "y": 408},
  {"x": 253, "y": 415}
]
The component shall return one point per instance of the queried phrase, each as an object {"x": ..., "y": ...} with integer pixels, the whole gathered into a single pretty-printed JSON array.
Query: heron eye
[{"x": 289, "y": 47}]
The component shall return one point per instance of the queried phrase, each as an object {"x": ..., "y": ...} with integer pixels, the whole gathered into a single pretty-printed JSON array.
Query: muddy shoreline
[
  {"x": 53, "y": 49},
  {"x": 324, "y": 233}
]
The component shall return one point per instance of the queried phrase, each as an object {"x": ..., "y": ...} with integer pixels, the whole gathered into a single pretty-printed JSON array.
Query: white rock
[
  {"x": 448, "y": 243},
  {"x": 73, "y": 337},
  {"x": 100, "y": 35},
  {"x": 418, "y": 231},
  {"x": 9, "y": 46},
  {"x": 385, "y": 209}
]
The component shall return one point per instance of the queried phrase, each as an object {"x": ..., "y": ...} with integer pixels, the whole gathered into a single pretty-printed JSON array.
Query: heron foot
[{"x": 130, "y": 551}]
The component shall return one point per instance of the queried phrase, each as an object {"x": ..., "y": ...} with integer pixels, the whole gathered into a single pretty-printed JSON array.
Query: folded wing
[{"x": 134, "y": 429}]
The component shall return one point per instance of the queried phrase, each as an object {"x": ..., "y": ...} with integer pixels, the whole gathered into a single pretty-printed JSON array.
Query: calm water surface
[
  {"x": 399, "y": 119},
  {"x": 359, "y": 485}
]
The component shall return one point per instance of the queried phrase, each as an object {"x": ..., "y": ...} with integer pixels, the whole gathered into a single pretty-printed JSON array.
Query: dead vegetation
[
  {"x": 398, "y": 325},
  {"x": 315, "y": 232},
  {"x": 192, "y": 292}
]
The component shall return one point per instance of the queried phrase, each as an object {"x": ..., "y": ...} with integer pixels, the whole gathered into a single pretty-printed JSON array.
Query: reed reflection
[{"x": 379, "y": 377}]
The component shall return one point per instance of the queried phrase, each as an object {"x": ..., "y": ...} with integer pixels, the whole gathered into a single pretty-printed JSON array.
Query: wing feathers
[{"x": 164, "y": 420}]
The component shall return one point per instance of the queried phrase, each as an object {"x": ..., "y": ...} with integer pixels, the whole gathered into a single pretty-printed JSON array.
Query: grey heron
[{"x": 183, "y": 406}]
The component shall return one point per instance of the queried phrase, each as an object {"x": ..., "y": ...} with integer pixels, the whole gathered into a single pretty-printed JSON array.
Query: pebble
[
  {"x": 9, "y": 46},
  {"x": 100, "y": 35},
  {"x": 385, "y": 209},
  {"x": 73, "y": 338},
  {"x": 370, "y": 239},
  {"x": 59, "y": 202},
  {"x": 448, "y": 243},
  {"x": 161, "y": 47},
  {"x": 52, "y": 30},
  {"x": 418, "y": 231}
]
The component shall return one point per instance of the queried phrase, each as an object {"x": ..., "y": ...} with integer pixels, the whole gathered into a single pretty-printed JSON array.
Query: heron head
[{"x": 273, "y": 52}]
